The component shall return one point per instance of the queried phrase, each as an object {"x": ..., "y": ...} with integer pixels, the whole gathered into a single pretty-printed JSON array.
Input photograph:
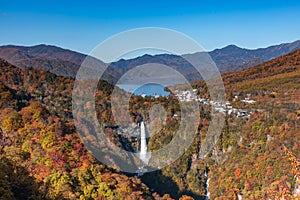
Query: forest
[{"x": 43, "y": 157}]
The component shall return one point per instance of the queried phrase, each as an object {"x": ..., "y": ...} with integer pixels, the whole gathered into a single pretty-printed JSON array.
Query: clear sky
[{"x": 81, "y": 25}]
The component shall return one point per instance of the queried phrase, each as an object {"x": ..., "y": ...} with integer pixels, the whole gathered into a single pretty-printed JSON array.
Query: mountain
[
  {"x": 280, "y": 66},
  {"x": 49, "y": 58},
  {"x": 233, "y": 58},
  {"x": 64, "y": 62},
  {"x": 227, "y": 59},
  {"x": 279, "y": 74}
]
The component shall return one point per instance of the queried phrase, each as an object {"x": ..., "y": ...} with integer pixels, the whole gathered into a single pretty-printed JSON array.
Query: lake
[{"x": 147, "y": 89}]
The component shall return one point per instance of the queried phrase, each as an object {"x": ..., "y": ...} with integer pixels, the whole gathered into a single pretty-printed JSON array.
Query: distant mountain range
[{"x": 66, "y": 62}]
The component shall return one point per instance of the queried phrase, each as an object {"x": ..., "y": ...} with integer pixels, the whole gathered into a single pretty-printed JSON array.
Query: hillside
[
  {"x": 272, "y": 75},
  {"x": 62, "y": 62},
  {"x": 41, "y": 155},
  {"x": 258, "y": 157},
  {"x": 254, "y": 158},
  {"x": 49, "y": 58},
  {"x": 281, "y": 65}
]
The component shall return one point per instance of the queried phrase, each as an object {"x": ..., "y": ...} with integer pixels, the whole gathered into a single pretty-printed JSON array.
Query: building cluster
[
  {"x": 226, "y": 107},
  {"x": 187, "y": 96}
]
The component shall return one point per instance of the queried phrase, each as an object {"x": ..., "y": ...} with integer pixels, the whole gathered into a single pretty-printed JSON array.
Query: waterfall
[
  {"x": 143, "y": 152},
  {"x": 144, "y": 155},
  {"x": 207, "y": 185}
]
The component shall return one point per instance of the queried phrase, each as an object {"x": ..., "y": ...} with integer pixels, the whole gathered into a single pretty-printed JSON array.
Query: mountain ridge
[{"x": 66, "y": 62}]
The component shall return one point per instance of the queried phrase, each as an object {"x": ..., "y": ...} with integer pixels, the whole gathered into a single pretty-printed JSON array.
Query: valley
[{"x": 253, "y": 158}]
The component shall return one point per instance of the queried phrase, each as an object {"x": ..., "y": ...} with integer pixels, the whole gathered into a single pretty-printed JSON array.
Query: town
[{"x": 191, "y": 95}]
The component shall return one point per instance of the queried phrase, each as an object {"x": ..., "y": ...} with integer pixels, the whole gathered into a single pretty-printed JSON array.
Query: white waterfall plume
[
  {"x": 207, "y": 185},
  {"x": 144, "y": 155},
  {"x": 143, "y": 152}
]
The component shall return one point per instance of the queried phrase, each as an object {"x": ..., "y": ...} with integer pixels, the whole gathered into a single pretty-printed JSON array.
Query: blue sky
[{"x": 81, "y": 25}]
